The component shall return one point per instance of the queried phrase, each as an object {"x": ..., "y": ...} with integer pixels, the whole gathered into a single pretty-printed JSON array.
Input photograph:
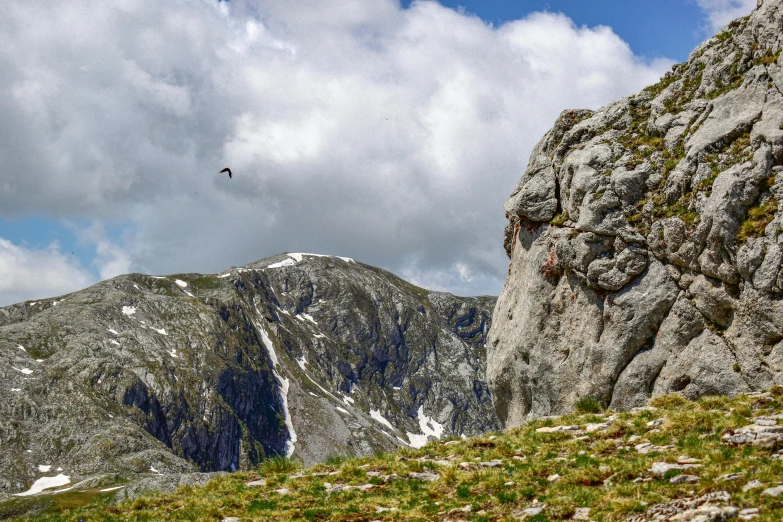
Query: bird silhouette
[{"x": 226, "y": 170}]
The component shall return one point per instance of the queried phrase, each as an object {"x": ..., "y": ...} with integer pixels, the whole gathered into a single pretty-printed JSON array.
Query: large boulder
[{"x": 645, "y": 240}]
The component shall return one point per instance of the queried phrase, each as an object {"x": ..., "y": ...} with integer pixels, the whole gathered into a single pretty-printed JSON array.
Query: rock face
[
  {"x": 645, "y": 240},
  {"x": 296, "y": 354}
]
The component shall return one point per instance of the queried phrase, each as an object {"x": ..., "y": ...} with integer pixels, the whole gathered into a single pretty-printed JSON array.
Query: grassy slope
[{"x": 528, "y": 459}]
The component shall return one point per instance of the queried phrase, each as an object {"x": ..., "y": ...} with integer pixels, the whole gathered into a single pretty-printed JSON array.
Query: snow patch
[
  {"x": 111, "y": 330},
  {"x": 111, "y": 489},
  {"x": 428, "y": 427},
  {"x": 348, "y": 400},
  {"x": 340, "y": 409},
  {"x": 191, "y": 295},
  {"x": 285, "y": 262},
  {"x": 173, "y": 353},
  {"x": 162, "y": 331},
  {"x": 39, "y": 360},
  {"x": 25, "y": 371},
  {"x": 21, "y": 348},
  {"x": 181, "y": 283},
  {"x": 346, "y": 259},
  {"x": 45, "y": 483},
  {"x": 396, "y": 387},
  {"x": 224, "y": 275},
  {"x": 311, "y": 393},
  {"x": 376, "y": 414},
  {"x": 136, "y": 286},
  {"x": 416, "y": 441},
  {"x": 284, "y": 384},
  {"x": 319, "y": 336},
  {"x": 400, "y": 439},
  {"x": 16, "y": 389},
  {"x": 301, "y": 362},
  {"x": 112, "y": 341},
  {"x": 155, "y": 471},
  {"x": 309, "y": 318},
  {"x": 129, "y": 310},
  {"x": 44, "y": 469},
  {"x": 462, "y": 435}
]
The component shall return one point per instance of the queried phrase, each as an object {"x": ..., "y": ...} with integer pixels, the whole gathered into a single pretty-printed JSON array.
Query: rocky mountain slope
[
  {"x": 296, "y": 354},
  {"x": 645, "y": 240}
]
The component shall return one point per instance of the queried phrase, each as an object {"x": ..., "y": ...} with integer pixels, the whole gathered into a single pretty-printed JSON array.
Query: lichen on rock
[{"x": 645, "y": 240}]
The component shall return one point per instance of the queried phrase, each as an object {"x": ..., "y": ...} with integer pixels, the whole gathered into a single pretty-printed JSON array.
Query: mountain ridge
[{"x": 294, "y": 354}]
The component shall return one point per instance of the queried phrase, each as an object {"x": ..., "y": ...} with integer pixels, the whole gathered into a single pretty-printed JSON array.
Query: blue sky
[
  {"x": 390, "y": 133},
  {"x": 669, "y": 28}
]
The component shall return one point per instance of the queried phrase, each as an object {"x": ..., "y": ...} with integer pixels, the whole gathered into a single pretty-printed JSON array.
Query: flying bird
[{"x": 226, "y": 170}]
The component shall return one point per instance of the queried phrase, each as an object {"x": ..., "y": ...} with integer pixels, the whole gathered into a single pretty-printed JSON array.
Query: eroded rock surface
[{"x": 645, "y": 240}]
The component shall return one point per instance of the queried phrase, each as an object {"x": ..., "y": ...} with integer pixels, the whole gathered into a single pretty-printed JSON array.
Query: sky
[{"x": 391, "y": 132}]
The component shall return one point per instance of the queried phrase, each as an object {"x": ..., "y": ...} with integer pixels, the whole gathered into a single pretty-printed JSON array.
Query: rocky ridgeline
[
  {"x": 645, "y": 240},
  {"x": 164, "y": 377}
]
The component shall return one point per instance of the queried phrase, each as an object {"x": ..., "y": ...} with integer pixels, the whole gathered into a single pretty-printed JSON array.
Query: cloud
[
  {"x": 32, "y": 274},
  {"x": 721, "y": 12},
  {"x": 356, "y": 128}
]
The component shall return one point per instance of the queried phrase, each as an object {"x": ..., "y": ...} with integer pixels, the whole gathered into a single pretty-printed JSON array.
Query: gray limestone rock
[{"x": 657, "y": 266}]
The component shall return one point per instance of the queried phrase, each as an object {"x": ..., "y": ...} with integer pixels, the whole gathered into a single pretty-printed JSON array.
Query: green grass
[
  {"x": 472, "y": 492},
  {"x": 588, "y": 405}
]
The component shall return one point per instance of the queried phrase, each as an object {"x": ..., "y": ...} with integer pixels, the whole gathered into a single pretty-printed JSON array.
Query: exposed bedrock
[{"x": 645, "y": 240}]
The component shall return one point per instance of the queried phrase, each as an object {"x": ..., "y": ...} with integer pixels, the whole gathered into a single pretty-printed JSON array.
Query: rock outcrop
[
  {"x": 645, "y": 240},
  {"x": 297, "y": 354}
]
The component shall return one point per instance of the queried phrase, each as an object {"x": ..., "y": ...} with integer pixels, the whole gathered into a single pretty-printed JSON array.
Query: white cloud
[
  {"x": 37, "y": 273},
  {"x": 354, "y": 128},
  {"x": 721, "y": 12}
]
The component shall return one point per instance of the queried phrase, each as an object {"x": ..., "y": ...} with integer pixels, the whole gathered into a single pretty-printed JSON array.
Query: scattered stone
[
  {"x": 336, "y": 488},
  {"x": 659, "y": 469},
  {"x": 603, "y": 468},
  {"x": 773, "y": 492},
  {"x": 688, "y": 509},
  {"x": 729, "y": 477},
  {"x": 753, "y": 484},
  {"x": 390, "y": 477},
  {"x": 557, "y": 429},
  {"x": 510, "y": 483},
  {"x": 591, "y": 428},
  {"x": 530, "y": 511},
  {"x": 231, "y": 519},
  {"x": 426, "y": 476},
  {"x": 761, "y": 435},
  {"x": 257, "y": 483},
  {"x": 451, "y": 442},
  {"x": 464, "y": 465},
  {"x": 518, "y": 457},
  {"x": 553, "y": 478},
  {"x": 749, "y": 513},
  {"x": 283, "y": 491},
  {"x": 654, "y": 423},
  {"x": 582, "y": 514},
  {"x": 706, "y": 514},
  {"x": 467, "y": 508},
  {"x": 634, "y": 438},
  {"x": 492, "y": 437},
  {"x": 684, "y": 479},
  {"x": 385, "y": 509},
  {"x": 684, "y": 459},
  {"x": 491, "y": 464},
  {"x": 645, "y": 448}
]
